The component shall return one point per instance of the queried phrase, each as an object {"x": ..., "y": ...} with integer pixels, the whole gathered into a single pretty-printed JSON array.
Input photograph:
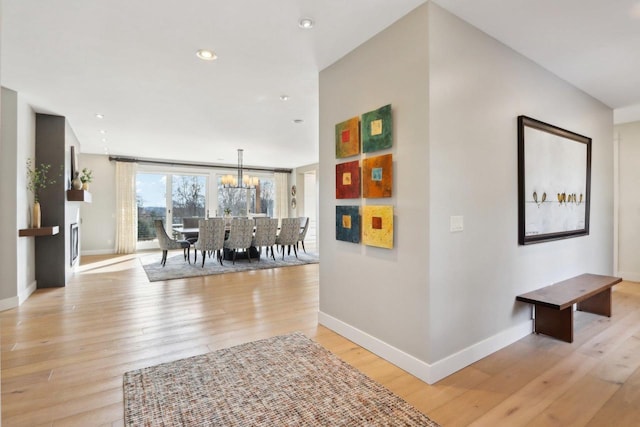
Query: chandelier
[{"x": 242, "y": 180}]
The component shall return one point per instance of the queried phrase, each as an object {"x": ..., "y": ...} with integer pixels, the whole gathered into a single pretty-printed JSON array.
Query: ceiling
[{"x": 134, "y": 62}]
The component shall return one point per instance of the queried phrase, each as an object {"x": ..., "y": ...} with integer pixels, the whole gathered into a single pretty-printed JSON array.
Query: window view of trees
[
  {"x": 188, "y": 197},
  {"x": 187, "y": 200},
  {"x": 151, "y": 200}
]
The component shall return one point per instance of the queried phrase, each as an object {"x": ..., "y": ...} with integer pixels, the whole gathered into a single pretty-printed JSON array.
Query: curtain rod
[{"x": 198, "y": 165}]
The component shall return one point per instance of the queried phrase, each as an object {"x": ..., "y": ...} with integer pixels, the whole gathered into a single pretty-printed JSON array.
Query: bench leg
[
  {"x": 555, "y": 323},
  {"x": 598, "y": 304}
]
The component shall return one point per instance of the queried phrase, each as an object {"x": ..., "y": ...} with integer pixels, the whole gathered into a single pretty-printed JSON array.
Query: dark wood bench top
[{"x": 568, "y": 292}]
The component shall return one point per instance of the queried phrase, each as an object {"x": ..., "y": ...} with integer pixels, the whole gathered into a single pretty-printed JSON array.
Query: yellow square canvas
[{"x": 377, "y": 226}]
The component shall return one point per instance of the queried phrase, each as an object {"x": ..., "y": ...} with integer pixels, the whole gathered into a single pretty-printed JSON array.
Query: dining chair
[
  {"x": 166, "y": 243},
  {"x": 210, "y": 238},
  {"x": 190, "y": 222},
  {"x": 304, "y": 226},
  {"x": 288, "y": 236},
  {"x": 265, "y": 235},
  {"x": 240, "y": 236}
]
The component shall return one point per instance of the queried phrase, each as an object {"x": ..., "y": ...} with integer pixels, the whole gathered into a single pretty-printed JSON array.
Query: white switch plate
[{"x": 456, "y": 223}]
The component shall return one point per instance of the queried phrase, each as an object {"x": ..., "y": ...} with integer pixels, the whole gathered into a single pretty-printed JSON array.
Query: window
[
  {"x": 152, "y": 204},
  {"x": 187, "y": 198},
  {"x": 243, "y": 201}
]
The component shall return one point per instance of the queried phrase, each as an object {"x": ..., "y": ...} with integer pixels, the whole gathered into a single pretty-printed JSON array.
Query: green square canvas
[{"x": 377, "y": 129}]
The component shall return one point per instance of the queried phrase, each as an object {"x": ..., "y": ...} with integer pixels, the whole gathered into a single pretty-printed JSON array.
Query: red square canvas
[{"x": 348, "y": 180}]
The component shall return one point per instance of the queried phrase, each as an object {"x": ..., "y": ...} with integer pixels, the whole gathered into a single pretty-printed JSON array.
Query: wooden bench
[{"x": 554, "y": 304}]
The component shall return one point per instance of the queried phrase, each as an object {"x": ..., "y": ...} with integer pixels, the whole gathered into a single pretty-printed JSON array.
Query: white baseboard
[
  {"x": 98, "y": 252},
  {"x": 450, "y": 364},
  {"x": 429, "y": 373},
  {"x": 26, "y": 293},
  {"x": 628, "y": 275},
  {"x": 7, "y": 303}
]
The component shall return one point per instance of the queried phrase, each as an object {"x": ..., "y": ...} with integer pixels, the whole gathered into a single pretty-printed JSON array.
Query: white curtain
[
  {"x": 282, "y": 194},
  {"x": 126, "y": 208}
]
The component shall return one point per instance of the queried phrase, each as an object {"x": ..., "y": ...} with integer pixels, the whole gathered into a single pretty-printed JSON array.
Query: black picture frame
[{"x": 554, "y": 182}]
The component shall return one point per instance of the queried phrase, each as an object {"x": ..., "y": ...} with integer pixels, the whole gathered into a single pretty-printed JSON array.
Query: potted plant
[
  {"x": 37, "y": 180},
  {"x": 227, "y": 216},
  {"x": 86, "y": 178}
]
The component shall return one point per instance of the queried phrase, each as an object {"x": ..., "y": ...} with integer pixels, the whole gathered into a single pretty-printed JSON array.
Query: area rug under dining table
[
  {"x": 288, "y": 380},
  {"x": 177, "y": 268}
]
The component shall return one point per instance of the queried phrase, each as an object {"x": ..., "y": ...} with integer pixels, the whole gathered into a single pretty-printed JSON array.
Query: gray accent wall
[
  {"x": 440, "y": 300},
  {"x": 381, "y": 292},
  {"x": 478, "y": 87},
  {"x": 18, "y": 142},
  {"x": 9, "y": 196}
]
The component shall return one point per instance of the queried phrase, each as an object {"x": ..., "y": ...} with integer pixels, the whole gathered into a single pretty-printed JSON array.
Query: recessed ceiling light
[
  {"x": 305, "y": 23},
  {"x": 99, "y": 116},
  {"x": 206, "y": 55},
  {"x": 298, "y": 121},
  {"x": 284, "y": 97},
  {"x": 102, "y": 131}
]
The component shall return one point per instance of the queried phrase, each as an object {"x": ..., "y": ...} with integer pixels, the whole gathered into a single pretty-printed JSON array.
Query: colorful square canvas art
[
  {"x": 377, "y": 176},
  {"x": 348, "y": 180},
  {"x": 377, "y": 129},
  {"x": 348, "y": 223},
  {"x": 348, "y": 138},
  {"x": 377, "y": 226}
]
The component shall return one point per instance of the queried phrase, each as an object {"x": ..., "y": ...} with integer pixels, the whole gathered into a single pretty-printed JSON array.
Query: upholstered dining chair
[
  {"x": 304, "y": 226},
  {"x": 265, "y": 235},
  {"x": 210, "y": 238},
  {"x": 167, "y": 243},
  {"x": 190, "y": 222},
  {"x": 288, "y": 236},
  {"x": 240, "y": 236}
]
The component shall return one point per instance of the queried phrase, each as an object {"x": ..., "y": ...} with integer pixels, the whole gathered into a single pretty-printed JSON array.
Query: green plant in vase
[
  {"x": 37, "y": 180},
  {"x": 86, "y": 177}
]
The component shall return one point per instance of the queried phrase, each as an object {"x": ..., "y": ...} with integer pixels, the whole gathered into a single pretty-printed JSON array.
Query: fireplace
[{"x": 75, "y": 244}]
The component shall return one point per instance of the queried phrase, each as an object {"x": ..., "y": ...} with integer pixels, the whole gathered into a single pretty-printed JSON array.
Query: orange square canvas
[{"x": 377, "y": 176}]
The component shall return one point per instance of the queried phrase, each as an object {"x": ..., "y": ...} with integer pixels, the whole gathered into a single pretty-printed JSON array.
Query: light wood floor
[{"x": 64, "y": 351}]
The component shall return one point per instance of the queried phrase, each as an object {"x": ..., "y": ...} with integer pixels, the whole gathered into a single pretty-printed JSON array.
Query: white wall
[
  {"x": 304, "y": 194},
  {"x": 98, "y": 223},
  {"x": 441, "y": 300},
  {"x": 368, "y": 292},
  {"x": 628, "y": 200}
]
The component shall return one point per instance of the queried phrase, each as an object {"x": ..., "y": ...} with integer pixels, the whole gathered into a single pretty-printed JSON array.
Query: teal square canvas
[
  {"x": 348, "y": 223},
  {"x": 377, "y": 129}
]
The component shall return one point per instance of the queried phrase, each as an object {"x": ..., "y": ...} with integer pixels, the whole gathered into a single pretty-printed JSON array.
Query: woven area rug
[
  {"x": 287, "y": 380},
  {"x": 178, "y": 268}
]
